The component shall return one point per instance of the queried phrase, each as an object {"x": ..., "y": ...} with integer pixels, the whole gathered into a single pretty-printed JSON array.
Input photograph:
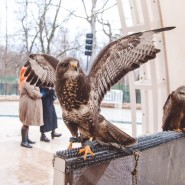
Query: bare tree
[
  {"x": 43, "y": 29},
  {"x": 92, "y": 17},
  {"x": 106, "y": 25},
  {"x": 47, "y": 29},
  {"x": 5, "y": 53}
]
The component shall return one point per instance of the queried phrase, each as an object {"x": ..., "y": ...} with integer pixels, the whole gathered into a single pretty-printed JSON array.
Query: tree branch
[{"x": 68, "y": 49}]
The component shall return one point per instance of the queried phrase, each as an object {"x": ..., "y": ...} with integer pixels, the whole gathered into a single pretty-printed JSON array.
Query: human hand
[{"x": 42, "y": 94}]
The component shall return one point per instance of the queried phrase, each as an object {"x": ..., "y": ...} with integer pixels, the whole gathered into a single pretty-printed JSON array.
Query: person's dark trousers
[
  {"x": 54, "y": 134},
  {"x": 44, "y": 138}
]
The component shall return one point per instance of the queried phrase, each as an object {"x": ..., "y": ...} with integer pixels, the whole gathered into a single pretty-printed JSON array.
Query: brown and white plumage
[
  {"x": 174, "y": 111},
  {"x": 80, "y": 95},
  {"x": 40, "y": 71},
  {"x": 120, "y": 57}
]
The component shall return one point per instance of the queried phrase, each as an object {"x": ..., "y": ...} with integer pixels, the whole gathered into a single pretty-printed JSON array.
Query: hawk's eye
[{"x": 65, "y": 65}]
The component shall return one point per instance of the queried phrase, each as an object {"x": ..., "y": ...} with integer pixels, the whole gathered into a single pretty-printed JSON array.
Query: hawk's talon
[
  {"x": 178, "y": 130},
  {"x": 86, "y": 150},
  {"x": 70, "y": 145},
  {"x": 183, "y": 129}
]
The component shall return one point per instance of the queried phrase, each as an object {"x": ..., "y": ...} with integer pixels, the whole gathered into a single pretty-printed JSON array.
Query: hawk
[
  {"x": 80, "y": 95},
  {"x": 174, "y": 111}
]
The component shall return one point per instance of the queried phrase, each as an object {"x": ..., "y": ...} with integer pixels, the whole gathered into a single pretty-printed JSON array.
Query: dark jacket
[{"x": 49, "y": 113}]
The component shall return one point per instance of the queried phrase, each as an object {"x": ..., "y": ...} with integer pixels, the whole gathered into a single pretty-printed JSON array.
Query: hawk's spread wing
[
  {"x": 120, "y": 57},
  {"x": 41, "y": 70}
]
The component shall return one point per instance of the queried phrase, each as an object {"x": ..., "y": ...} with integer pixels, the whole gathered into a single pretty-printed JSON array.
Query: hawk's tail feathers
[{"x": 120, "y": 136}]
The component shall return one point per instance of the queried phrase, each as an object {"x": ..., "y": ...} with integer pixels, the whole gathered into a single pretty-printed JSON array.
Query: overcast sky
[{"x": 111, "y": 15}]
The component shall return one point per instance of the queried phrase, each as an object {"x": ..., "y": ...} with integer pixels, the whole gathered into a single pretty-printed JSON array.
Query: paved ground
[{"x": 24, "y": 166}]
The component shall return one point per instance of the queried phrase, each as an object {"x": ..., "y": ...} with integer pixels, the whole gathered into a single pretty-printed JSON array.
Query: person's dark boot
[
  {"x": 30, "y": 141},
  {"x": 44, "y": 138},
  {"x": 54, "y": 134},
  {"x": 24, "y": 133}
]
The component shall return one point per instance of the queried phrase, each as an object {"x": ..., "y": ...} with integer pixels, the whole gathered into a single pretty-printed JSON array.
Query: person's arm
[
  {"x": 47, "y": 92},
  {"x": 32, "y": 92}
]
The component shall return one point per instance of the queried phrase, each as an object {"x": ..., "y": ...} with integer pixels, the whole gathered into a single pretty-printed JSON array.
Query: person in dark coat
[{"x": 49, "y": 114}]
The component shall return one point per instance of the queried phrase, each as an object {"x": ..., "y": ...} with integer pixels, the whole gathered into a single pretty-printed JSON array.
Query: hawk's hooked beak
[{"x": 74, "y": 65}]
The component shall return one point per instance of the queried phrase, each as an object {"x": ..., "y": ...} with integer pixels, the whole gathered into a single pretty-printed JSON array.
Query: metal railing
[
  {"x": 114, "y": 97},
  {"x": 8, "y": 89}
]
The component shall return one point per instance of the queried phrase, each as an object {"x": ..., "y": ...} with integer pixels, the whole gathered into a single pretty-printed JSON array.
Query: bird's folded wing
[
  {"x": 120, "y": 136},
  {"x": 173, "y": 110},
  {"x": 41, "y": 70},
  {"x": 120, "y": 57}
]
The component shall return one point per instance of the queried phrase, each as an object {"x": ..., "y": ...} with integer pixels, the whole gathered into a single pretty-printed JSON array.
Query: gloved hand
[{"x": 43, "y": 94}]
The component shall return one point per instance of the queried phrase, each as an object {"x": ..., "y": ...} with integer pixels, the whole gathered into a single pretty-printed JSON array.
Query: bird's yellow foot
[
  {"x": 70, "y": 145},
  {"x": 178, "y": 130},
  {"x": 86, "y": 150}
]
